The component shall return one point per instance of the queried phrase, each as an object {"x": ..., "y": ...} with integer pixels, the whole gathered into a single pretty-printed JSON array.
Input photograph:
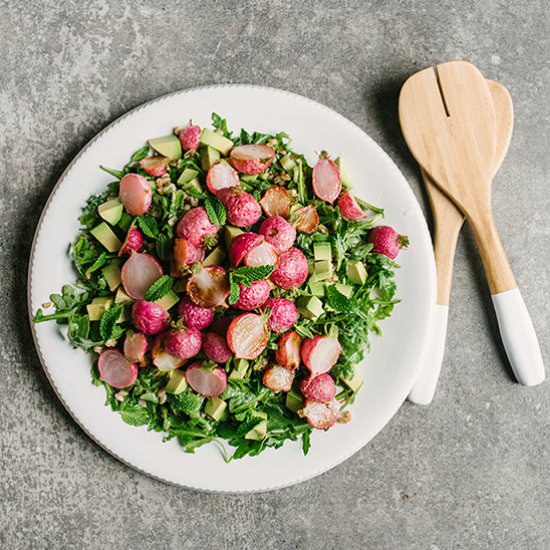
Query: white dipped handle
[
  {"x": 432, "y": 357},
  {"x": 519, "y": 337}
]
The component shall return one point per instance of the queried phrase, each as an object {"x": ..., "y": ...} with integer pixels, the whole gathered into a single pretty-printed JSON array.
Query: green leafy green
[
  {"x": 159, "y": 288},
  {"x": 215, "y": 210}
]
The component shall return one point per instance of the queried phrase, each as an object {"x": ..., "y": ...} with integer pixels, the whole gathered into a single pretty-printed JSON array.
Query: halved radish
[
  {"x": 278, "y": 378},
  {"x": 208, "y": 381},
  {"x": 263, "y": 254},
  {"x": 288, "y": 353},
  {"x": 162, "y": 359},
  {"x": 135, "y": 347},
  {"x": 208, "y": 286},
  {"x": 321, "y": 415},
  {"x": 247, "y": 335},
  {"x": 251, "y": 159},
  {"x": 276, "y": 202},
  {"x": 326, "y": 180},
  {"x": 349, "y": 207},
  {"x": 242, "y": 245},
  {"x": 135, "y": 194},
  {"x": 319, "y": 388},
  {"x": 320, "y": 353},
  {"x": 185, "y": 254},
  {"x": 132, "y": 243},
  {"x": 154, "y": 166},
  {"x": 115, "y": 369},
  {"x": 138, "y": 273},
  {"x": 306, "y": 219},
  {"x": 221, "y": 176}
]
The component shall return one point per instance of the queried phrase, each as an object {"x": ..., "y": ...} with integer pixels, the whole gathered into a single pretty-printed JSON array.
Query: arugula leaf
[
  {"x": 118, "y": 174},
  {"x": 215, "y": 210},
  {"x": 159, "y": 288},
  {"x": 99, "y": 263},
  {"x": 136, "y": 416},
  {"x": 337, "y": 301},
  {"x": 108, "y": 322},
  {"x": 149, "y": 226},
  {"x": 221, "y": 124}
]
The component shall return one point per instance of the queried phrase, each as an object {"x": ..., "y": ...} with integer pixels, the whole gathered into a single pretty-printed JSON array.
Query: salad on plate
[{"x": 226, "y": 289}]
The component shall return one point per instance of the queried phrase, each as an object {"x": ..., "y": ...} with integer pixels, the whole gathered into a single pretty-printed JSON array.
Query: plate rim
[{"x": 423, "y": 222}]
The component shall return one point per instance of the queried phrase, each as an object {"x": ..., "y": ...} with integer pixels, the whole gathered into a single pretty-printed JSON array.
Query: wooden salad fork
[{"x": 448, "y": 120}]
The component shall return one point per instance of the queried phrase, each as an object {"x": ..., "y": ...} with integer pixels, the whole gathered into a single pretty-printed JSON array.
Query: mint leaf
[
  {"x": 140, "y": 154},
  {"x": 108, "y": 322},
  {"x": 149, "y": 226},
  {"x": 215, "y": 210},
  {"x": 234, "y": 291},
  {"x": 100, "y": 262},
  {"x": 247, "y": 275},
  {"x": 159, "y": 288}
]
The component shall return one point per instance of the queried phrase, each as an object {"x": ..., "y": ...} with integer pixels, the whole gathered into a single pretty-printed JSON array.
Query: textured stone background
[{"x": 470, "y": 471}]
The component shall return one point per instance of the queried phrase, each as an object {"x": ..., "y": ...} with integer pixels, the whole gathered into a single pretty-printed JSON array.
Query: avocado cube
[
  {"x": 98, "y": 307},
  {"x": 104, "y": 234},
  {"x": 111, "y": 273},
  {"x": 344, "y": 176},
  {"x": 287, "y": 162},
  {"x": 125, "y": 221},
  {"x": 168, "y": 300},
  {"x": 177, "y": 382},
  {"x": 208, "y": 157},
  {"x": 167, "y": 146},
  {"x": 186, "y": 176},
  {"x": 194, "y": 188},
  {"x": 317, "y": 288},
  {"x": 230, "y": 233},
  {"x": 353, "y": 383},
  {"x": 346, "y": 290},
  {"x": 215, "y": 407},
  {"x": 215, "y": 257},
  {"x": 294, "y": 401},
  {"x": 323, "y": 270},
  {"x": 240, "y": 369},
  {"x": 258, "y": 432},
  {"x": 216, "y": 141},
  {"x": 322, "y": 251},
  {"x": 121, "y": 297},
  {"x": 356, "y": 272},
  {"x": 110, "y": 211},
  {"x": 310, "y": 307}
]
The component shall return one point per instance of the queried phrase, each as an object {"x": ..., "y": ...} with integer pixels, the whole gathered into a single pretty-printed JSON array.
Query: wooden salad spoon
[{"x": 448, "y": 121}]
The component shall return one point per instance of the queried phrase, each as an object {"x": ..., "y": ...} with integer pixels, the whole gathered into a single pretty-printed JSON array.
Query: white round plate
[{"x": 389, "y": 370}]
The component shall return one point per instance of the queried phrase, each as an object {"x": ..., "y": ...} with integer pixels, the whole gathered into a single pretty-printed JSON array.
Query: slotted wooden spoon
[
  {"x": 448, "y": 221},
  {"x": 448, "y": 121}
]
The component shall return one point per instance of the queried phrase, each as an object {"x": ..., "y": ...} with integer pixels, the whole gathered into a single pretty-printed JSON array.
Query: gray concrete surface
[{"x": 470, "y": 471}]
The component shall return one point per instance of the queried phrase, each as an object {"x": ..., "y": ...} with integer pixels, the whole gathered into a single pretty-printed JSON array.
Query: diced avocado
[
  {"x": 287, "y": 163},
  {"x": 168, "y": 300},
  {"x": 125, "y": 315},
  {"x": 258, "y": 432},
  {"x": 111, "y": 272},
  {"x": 215, "y": 407},
  {"x": 125, "y": 221},
  {"x": 194, "y": 188},
  {"x": 215, "y": 257},
  {"x": 98, "y": 307},
  {"x": 294, "y": 401},
  {"x": 208, "y": 157},
  {"x": 310, "y": 307},
  {"x": 186, "y": 176},
  {"x": 177, "y": 382},
  {"x": 323, "y": 270},
  {"x": 104, "y": 234},
  {"x": 317, "y": 288},
  {"x": 322, "y": 251},
  {"x": 346, "y": 290},
  {"x": 167, "y": 146},
  {"x": 240, "y": 369},
  {"x": 230, "y": 233},
  {"x": 217, "y": 141},
  {"x": 356, "y": 272},
  {"x": 344, "y": 176},
  {"x": 121, "y": 297},
  {"x": 353, "y": 383},
  {"x": 111, "y": 211}
]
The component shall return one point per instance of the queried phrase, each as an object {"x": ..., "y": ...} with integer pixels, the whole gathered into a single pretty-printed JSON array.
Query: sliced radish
[
  {"x": 321, "y": 415},
  {"x": 138, "y": 273},
  {"x": 306, "y": 219},
  {"x": 251, "y": 159},
  {"x": 349, "y": 207},
  {"x": 208, "y": 381},
  {"x": 135, "y": 194},
  {"x": 162, "y": 359},
  {"x": 263, "y": 254},
  {"x": 242, "y": 245},
  {"x": 221, "y": 176},
  {"x": 276, "y": 202},
  {"x": 278, "y": 378},
  {"x": 247, "y": 335},
  {"x": 208, "y": 286},
  {"x": 326, "y": 180},
  {"x": 154, "y": 166},
  {"x": 288, "y": 353},
  {"x": 115, "y": 369},
  {"x": 135, "y": 347},
  {"x": 320, "y": 353}
]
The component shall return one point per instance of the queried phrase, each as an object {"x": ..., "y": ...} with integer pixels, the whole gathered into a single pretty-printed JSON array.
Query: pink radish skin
[
  {"x": 306, "y": 219},
  {"x": 135, "y": 194},
  {"x": 195, "y": 226},
  {"x": 326, "y": 180},
  {"x": 190, "y": 137},
  {"x": 138, "y": 273},
  {"x": 215, "y": 347},
  {"x": 208, "y": 286},
  {"x": 387, "y": 241},
  {"x": 242, "y": 245},
  {"x": 195, "y": 316},
  {"x": 253, "y": 296},
  {"x": 183, "y": 343},
  {"x": 278, "y": 378},
  {"x": 276, "y": 202},
  {"x": 251, "y": 159},
  {"x": 263, "y": 254},
  {"x": 162, "y": 359},
  {"x": 292, "y": 269},
  {"x": 242, "y": 208},
  {"x": 321, "y": 415},
  {"x": 186, "y": 254},
  {"x": 135, "y": 347},
  {"x": 247, "y": 335},
  {"x": 288, "y": 352},
  {"x": 132, "y": 243},
  {"x": 221, "y": 176},
  {"x": 320, "y": 353},
  {"x": 278, "y": 232},
  {"x": 284, "y": 314},
  {"x": 116, "y": 370},
  {"x": 154, "y": 166},
  {"x": 319, "y": 388},
  {"x": 149, "y": 318},
  {"x": 206, "y": 381},
  {"x": 349, "y": 208}
]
